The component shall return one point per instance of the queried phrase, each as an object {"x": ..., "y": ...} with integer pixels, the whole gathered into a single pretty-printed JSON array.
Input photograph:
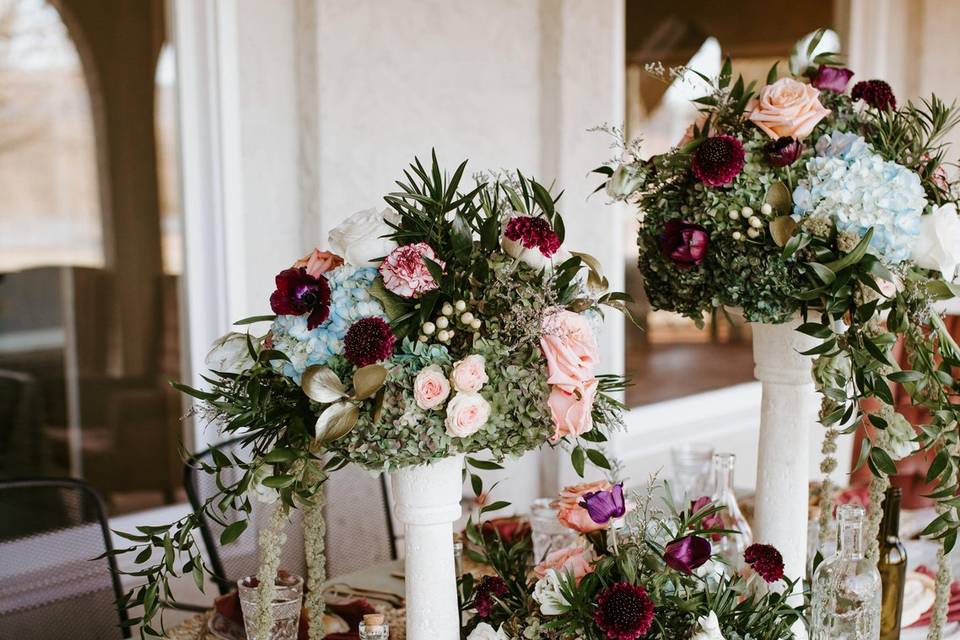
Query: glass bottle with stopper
[
  {"x": 374, "y": 627},
  {"x": 731, "y": 546},
  {"x": 847, "y": 587},
  {"x": 892, "y": 565}
]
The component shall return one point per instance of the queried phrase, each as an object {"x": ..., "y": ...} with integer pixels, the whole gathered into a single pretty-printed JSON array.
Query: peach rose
[
  {"x": 696, "y": 124},
  {"x": 317, "y": 262},
  {"x": 570, "y": 348},
  {"x": 469, "y": 374},
  {"x": 788, "y": 108},
  {"x": 572, "y": 411},
  {"x": 466, "y": 413},
  {"x": 575, "y": 559},
  {"x": 430, "y": 387},
  {"x": 571, "y": 514}
]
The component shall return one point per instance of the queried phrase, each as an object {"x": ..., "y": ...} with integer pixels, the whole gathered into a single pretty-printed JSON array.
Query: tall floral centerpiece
[
  {"x": 451, "y": 324},
  {"x": 825, "y": 216}
]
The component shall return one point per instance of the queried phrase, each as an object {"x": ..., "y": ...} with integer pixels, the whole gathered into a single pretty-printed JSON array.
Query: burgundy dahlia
[
  {"x": 687, "y": 553},
  {"x": 875, "y": 93},
  {"x": 533, "y": 232},
  {"x": 833, "y": 79},
  {"x": 488, "y": 588},
  {"x": 783, "y": 151},
  {"x": 298, "y": 293},
  {"x": 685, "y": 243},
  {"x": 765, "y": 560},
  {"x": 603, "y": 506},
  {"x": 368, "y": 341},
  {"x": 718, "y": 160},
  {"x": 624, "y": 611}
]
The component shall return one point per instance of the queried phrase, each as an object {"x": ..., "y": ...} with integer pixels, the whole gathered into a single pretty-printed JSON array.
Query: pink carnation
[{"x": 405, "y": 272}]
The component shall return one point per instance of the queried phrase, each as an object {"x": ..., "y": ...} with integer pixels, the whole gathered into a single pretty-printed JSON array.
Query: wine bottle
[{"x": 892, "y": 566}]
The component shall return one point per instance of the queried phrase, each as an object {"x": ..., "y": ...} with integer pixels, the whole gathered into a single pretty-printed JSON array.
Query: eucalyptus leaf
[
  {"x": 321, "y": 384},
  {"x": 368, "y": 380},
  {"x": 778, "y": 196},
  {"x": 336, "y": 421}
]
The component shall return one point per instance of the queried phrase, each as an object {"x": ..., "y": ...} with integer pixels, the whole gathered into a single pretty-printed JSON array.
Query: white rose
[
  {"x": 484, "y": 631},
  {"x": 547, "y": 593},
  {"x": 359, "y": 238},
  {"x": 469, "y": 374},
  {"x": 466, "y": 413},
  {"x": 800, "y": 61},
  {"x": 230, "y": 354},
  {"x": 624, "y": 181},
  {"x": 709, "y": 628},
  {"x": 261, "y": 493},
  {"x": 938, "y": 246},
  {"x": 900, "y": 437}
]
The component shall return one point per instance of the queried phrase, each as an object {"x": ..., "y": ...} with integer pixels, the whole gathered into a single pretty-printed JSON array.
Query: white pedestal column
[
  {"x": 789, "y": 410},
  {"x": 427, "y": 502}
]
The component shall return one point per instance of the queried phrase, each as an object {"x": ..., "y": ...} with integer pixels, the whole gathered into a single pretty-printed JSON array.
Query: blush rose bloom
[
  {"x": 317, "y": 262},
  {"x": 431, "y": 387},
  {"x": 571, "y": 514},
  {"x": 572, "y": 411},
  {"x": 469, "y": 375},
  {"x": 405, "y": 272},
  {"x": 575, "y": 559},
  {"x": 570, "y": 348},
  {"x": 466, "y": 414},
  {"x": 788, "y": 108},
  {"x": 361, "y": 240}
]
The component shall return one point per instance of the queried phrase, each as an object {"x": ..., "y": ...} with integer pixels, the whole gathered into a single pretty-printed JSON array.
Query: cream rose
[
  {"x": 469, "y": 374},
  {"x": 466, "y": 414},
  {"x": 938, "y": 247},
  {"x": 430, "y": 387},
  {"x": 548, "y": 594},
  {"x": 708, "y": 628},
  {"x": 788, "y": 108},
  {"x": 484, "y": 631},
  {"x": 360, "y": 238},
  {"x": 230, "y": 354}
]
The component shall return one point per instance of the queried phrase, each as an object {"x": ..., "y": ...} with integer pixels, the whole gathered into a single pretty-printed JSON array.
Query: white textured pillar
[
  {"x": 427, "y": 502},
  {"x": 788, "y": 410}
]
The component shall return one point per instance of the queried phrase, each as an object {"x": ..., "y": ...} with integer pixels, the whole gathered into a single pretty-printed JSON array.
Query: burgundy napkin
[
  {"x": 953, "y": 610},
  {"x": 352, "y": 613}
]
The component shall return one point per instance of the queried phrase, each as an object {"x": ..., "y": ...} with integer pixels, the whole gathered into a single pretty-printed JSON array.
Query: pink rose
[
  {"x": 571, "y": 514},
  {"x": 466, "y": 413},
  {"x": 697, "y": 124},
  {"x": 575, "y": 559},
  {"x": 469, "y": 374},
  {"x": 788, "y": 108},
  {"x": 570, "y": 348},
  {"x": 572, "y": 411},
  {"x": 430, "y": 387},
  {"x": 317, "y": 262},
  {"x": 405, "y": 272}
]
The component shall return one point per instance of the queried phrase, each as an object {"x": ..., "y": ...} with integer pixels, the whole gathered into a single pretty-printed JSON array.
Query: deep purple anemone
[{"x": 299, "y": 293}]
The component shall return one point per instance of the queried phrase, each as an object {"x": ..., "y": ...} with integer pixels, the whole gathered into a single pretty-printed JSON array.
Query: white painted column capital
[{"x": 427, "y": 502}]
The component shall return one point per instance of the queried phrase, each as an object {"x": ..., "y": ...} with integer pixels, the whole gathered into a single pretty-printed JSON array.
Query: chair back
[
  {"x": 359, "y": 527},
  {"x": 238, "y": 559},
  {"x": 50, "y": 587}
]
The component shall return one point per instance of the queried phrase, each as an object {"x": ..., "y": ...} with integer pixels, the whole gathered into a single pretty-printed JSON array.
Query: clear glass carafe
[
  {"x": 731, "y": 546},
  {"x": 846, "y": 587}
]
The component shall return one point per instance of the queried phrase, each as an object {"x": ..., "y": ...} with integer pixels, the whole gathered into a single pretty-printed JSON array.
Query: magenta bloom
[
  {"x": 710, "y": 522},
  {"x": 368, "y": 341},
  {"x": 685, "y": 243},
  {"x": 488, "y": 588},
  {"x": 875, "y": 93},
  {"x": 533, "y": 232},
  {"x": 687, "y": 553},
  {"x": 298, "y": 293},
  {"x": 765, "y": 560},
  {"x": 783, "y": 151},
  {"x": 833, "y": 79},
  {"x": 603, "y": 506},
  {"x": 718, "y": 160},
  {"x": 405, "y": 271},
  {"x": 624, "y": 611}
]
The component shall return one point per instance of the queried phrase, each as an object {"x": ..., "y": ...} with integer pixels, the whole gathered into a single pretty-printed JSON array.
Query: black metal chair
[
  {"x": 355, "y": 539},
  {"x": 50, "y": 588}
]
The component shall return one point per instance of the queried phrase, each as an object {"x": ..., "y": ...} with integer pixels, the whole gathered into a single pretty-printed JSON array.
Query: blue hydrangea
[
  {"x": 859, "y": 190},
  {"x": 350, "y": 300}
]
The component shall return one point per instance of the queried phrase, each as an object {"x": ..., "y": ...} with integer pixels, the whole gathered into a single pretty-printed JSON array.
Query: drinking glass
[
  {"x": 547, "y": 532},
  {"x": 692, "y": 472},
  {"x": 286, "y": 604}
]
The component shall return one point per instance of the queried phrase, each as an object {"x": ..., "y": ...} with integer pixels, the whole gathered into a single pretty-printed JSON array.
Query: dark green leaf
[{"x": 233, "y": 532}]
